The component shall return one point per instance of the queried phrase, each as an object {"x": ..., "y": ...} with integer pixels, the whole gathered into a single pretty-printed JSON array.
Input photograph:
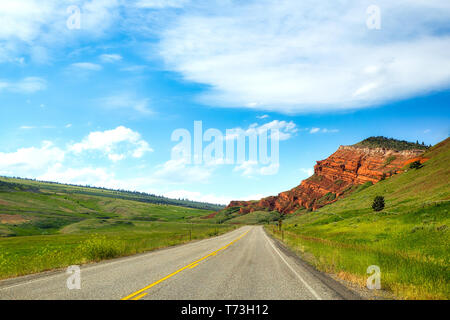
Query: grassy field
[
  {"x": 409, "y": 240},
  {"x": 232, "y": 216},
  {"x": 47, "y": 226}
]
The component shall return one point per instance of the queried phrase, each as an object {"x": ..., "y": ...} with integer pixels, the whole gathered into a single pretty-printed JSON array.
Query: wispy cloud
[
  {"x": 252, "y": 169},
  {"x": 25, "y": 85},
  {"x": 285, "y": 129},
  {"x": 298, "y": 56},
  {"x": 160, "y": 4},
  {"x": 126, "y": 101},
  {"x": 323, "y": 130},
  {"x": 86, "y": 66},
  {"x": 110, "y": 58}
]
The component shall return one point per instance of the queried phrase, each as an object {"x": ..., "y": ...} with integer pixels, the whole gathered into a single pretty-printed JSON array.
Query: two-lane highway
[{"x": 243, "y": 264}]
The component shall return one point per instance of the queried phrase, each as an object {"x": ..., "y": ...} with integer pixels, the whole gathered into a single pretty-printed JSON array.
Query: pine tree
[{"x": 378, "y": 203}]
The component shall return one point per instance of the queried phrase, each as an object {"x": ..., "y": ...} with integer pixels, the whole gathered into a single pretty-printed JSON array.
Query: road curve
[{"x": 243, "y": 264}]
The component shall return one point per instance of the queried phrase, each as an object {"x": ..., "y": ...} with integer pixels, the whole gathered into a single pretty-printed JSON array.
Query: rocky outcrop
[{"x": 334, "y": 177}]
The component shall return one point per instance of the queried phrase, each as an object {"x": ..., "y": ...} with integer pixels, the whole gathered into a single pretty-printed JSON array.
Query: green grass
[
  {"x": 17, "y": 184},
  {"x": 24, "y": 255},
  {"x": 47, "y": 226},
  {"x": 256, "y": 217},
  {"x": 409, "y": 240}
]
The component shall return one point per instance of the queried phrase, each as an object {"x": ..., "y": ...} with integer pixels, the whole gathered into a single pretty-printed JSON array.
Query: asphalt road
[{"x": 243, "y": 264}]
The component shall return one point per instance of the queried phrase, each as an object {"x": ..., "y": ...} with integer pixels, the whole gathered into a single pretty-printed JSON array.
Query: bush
[
  {"x": 378, "y": 203},
  {"x": 99, "y": 247},
  {"x": 415, "y": 165}
]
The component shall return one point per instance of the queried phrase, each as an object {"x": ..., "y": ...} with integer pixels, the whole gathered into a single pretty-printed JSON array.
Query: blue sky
[{"x": 97, "y": 105}]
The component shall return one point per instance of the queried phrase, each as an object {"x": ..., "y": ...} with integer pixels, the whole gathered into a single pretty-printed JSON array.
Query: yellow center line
[
  {"x": 194, "y": 266},
  {"x": 191, "y": 265},
  {"x": 140, "y": 296}
]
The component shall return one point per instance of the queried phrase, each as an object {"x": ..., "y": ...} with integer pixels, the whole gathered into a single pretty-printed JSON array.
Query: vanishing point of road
[{"x": 245, "y": 264}]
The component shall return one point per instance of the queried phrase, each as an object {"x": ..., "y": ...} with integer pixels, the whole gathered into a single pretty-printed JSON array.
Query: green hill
[
  {"x": 390, "y": 143},
  {"x": 409, "y": 240},
  {"x": 47, "y": 225}
]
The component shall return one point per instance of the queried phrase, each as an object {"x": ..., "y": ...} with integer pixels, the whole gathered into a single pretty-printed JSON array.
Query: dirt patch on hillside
[
  {"x": 12, "y": 219},
  {"x": 5, "y": 203}
]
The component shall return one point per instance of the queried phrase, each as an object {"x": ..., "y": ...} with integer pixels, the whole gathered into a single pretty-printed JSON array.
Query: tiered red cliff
[{"x": 334, "y": 177}]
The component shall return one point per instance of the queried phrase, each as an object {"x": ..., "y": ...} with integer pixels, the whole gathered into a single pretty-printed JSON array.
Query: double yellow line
[{"x": 140, "y": 293}]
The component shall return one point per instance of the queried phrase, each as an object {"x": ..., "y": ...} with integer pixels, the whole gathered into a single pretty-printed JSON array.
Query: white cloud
[
  {"x": 178, "y": 171},
  {"x": 285, "y": 129},
  {"x": 117, "y": 144},
  {"x": 160, "y": 4},
  {"x": 25, "y": 85},
  {"x": 251, "y": 169},
  {"x": 126, "y": 101},
  {"x": 110, "y": 58},
  {"x": 209, "y": 197},
  {"x": 88, "y": 66},
  {"x": 37, "y": 28},
  {"x": 25, "y": 160},
  {"x": 264, "y": 116},
  {"x": 81, "y": 176},
  {"x": 308, "y": 171},
  {"x": 323, "y": 130},
  {"x": 197, "y": 196},
  {"x": 300, "y": 56}
]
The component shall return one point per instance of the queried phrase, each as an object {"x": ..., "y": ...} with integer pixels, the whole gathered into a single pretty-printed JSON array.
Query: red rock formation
[{"x": 334, "y": 177}]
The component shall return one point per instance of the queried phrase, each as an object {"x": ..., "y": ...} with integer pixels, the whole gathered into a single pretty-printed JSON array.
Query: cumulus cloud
[
  {"x": 81, "y": 176},
  {"x": 302, "y": 56},
  {"x": 117, "y": 144},
  {"x": 179, "y": 171},
  {"x": 252, "y": 168},
  {"x": 26, "y": 160},
  {"x": 308, "y": 171}
]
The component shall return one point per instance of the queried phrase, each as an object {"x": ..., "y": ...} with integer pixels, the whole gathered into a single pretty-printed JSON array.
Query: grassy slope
[
  {"x": 107, "y": 193},
  {"x": 48, "y": 226},
  {"x": 409, "y": 239}
]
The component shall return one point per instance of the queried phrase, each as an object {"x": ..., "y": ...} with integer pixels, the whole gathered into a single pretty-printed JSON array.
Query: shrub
[
  {"x": 415, "y": 165},
  {"x": 99, "y": 247},
  {"x": 378, "y": 203},
  {"x": 389, "y": 160}
]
